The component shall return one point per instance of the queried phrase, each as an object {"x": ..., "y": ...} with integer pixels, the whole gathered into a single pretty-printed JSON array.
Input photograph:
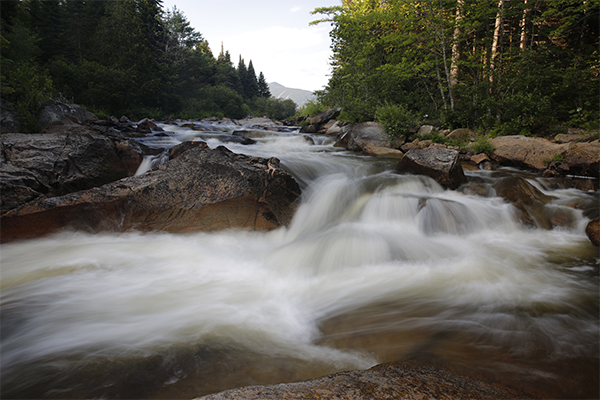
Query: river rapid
[{"x": 374, "y": 267}]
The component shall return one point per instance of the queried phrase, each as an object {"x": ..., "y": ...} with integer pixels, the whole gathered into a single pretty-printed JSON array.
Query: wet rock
[
  {"x": 55, "y": 164},
  {"x": 132, "y": 154},
  {"x": 479, "y": 158},
  {"x": 399, "y": 380},
  {"x": 527, "y": 199},
  {"x": 443, "y": 165},
  {"x": 202, "y": 189},
  {"x": 146, "y": 125},
  {"x": 592, "y": 230},
  {"x": 55, "y": 114}
]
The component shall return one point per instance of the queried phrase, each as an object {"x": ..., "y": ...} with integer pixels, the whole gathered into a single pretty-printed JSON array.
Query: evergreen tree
[
  {"x": 263, "y": 87},
  {"x": 251, "y": 89}
]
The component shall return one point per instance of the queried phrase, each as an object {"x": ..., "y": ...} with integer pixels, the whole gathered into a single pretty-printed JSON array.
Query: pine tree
[
  {"x": 252, "y": 89},
  {"x": 263, "y": 87}
]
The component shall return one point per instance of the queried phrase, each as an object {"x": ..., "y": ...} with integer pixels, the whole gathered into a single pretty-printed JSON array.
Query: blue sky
[{"x": 274, "y": 34}]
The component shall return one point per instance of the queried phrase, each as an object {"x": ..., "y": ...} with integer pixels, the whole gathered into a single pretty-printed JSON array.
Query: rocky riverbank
[{"x": 79, "y": 173}]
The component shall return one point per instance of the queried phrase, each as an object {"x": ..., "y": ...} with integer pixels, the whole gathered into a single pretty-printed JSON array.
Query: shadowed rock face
[
  {"x": 35, "y": 165},
  {"x": 443, "y": 165},
  {"x": 400, "y": 380},
  {"x": 203, "y": 189}
]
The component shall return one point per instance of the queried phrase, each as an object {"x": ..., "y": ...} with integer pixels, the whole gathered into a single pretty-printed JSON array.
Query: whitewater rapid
[{"x": 373, "y": 267}]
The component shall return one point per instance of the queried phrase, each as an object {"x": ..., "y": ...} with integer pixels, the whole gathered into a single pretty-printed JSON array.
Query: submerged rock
[
  {"x": 527, "y": 199},
  {"x": 399, "y": 380},
  {"x": 202, "y": 189},
  {"x": 443, "y": 165},
  {"x": 592, "y": 230}
]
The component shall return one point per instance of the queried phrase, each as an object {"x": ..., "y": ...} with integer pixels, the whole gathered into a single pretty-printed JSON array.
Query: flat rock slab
[
  {"x": 400, "y": 380},
  {"x": 201, "y": 190}
]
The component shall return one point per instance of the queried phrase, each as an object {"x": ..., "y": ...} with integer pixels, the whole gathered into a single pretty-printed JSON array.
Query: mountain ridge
[{"x": 298, "y": 96}]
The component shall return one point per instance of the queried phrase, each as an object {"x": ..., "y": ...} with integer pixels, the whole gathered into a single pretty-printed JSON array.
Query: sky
[{"x": 274, "y": 34}]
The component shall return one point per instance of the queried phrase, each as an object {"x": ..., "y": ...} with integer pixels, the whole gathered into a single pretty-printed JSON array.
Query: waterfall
[{"x": 374, "y": 267}]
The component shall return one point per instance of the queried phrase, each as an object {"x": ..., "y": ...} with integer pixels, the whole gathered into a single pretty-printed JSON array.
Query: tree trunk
[
  {"x": 523, "y": 26},
  {"x": 455, "y": 44},
  {"x": 497, "y": 37}
]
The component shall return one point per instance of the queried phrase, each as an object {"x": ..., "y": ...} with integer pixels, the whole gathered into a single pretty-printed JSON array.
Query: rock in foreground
[
  {"x": 401, "y": 380},
  {"x": 443, "y": 165},
  {"x": 201, "y": 190},
  {"x": 36, "y": 165}
]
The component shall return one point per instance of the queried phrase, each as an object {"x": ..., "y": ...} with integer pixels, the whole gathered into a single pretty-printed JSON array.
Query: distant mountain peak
[{"x": 298, "y": 96}]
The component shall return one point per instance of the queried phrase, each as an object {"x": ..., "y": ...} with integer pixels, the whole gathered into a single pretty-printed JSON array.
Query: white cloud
[{"x": 295, "y": 9}]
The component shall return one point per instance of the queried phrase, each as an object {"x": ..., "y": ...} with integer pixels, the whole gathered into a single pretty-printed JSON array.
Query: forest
[
  {"x": 122, "y": 57},
  {"x": 502, "y": 66}
]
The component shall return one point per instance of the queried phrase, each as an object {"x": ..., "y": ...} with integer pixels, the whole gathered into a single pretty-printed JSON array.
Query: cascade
[{"x": 374, "y": 267}]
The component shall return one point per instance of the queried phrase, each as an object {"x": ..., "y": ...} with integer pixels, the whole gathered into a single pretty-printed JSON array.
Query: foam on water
[{"x": 433, "y": 260}]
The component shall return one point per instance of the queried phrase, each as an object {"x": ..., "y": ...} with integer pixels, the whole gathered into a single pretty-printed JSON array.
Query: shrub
[
  {"x": 482, "y": 145},
  {"x": 397, "y": 120}
]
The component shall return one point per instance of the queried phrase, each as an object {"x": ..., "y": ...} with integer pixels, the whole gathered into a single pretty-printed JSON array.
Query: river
[{"x": 374, "y": 267}]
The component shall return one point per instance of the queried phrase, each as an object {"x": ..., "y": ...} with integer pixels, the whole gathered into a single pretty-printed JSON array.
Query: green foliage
[
  {"x": 123, "y": 57},
  {"x": 397, "y": 120},
  {"x": 311, "y": 108},
  {"x": 275, "y": 108},
  {"x": 556, "y": 157},
  {"x": 26, "y": 87},
  {"x": 482, "y": 145},
  {"x": 540, "y": 70}
]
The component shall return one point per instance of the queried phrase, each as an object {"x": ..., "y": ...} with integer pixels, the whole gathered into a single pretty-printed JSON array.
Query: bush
[
  {"x": 26, "y": 87},
  {"x": 482, "y": 145},
  {"x": 397, "y": 120}
]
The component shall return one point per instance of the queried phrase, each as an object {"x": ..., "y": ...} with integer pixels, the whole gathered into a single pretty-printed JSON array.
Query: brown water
[{"x": 375, "y": 267}]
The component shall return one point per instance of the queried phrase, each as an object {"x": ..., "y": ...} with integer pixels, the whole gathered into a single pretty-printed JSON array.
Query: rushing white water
[{"x": 374, "y": 267}]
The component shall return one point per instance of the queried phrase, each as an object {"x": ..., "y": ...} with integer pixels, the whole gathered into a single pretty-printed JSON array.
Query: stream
[{"x": 374, "y": 267}]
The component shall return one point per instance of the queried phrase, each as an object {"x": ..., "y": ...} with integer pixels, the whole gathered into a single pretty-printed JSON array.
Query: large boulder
[
  {"x": 367, "y": 134},
  {"x": 203, "y": 189},
  {"x": 527, "y": 199},
  {"x": 316, "y": 122},
  {"x": 55, "y": 114},
  {"x": 326, "y": 116},
  {"x": 399, "y": 380},
  {"x": 35, "y": 165},
  {"x": 443, "y": 165},
  {"x": 583, "y": 159},
  {"x": 527, "y": 152}
]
